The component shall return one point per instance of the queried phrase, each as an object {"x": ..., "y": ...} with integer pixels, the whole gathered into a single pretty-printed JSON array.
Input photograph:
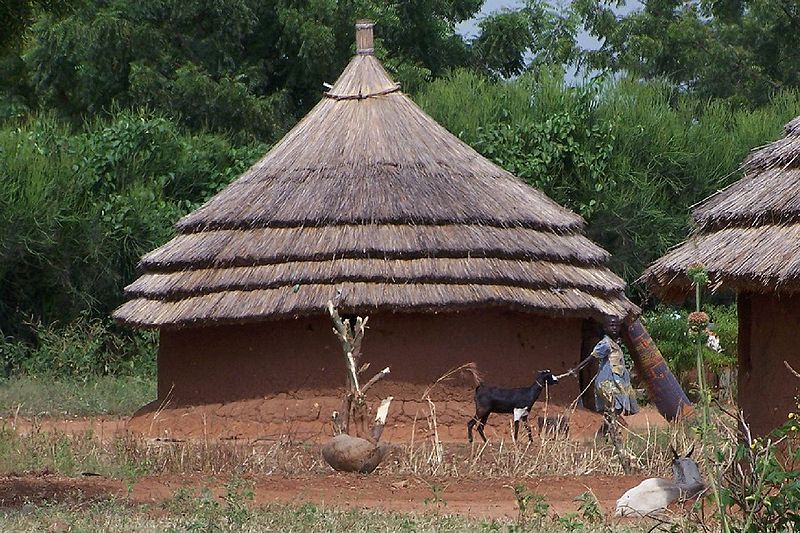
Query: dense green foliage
[
  {"x": 742, "y": 50},
  {"x": 78, "y": 210},
  {"x": 80, "y": 350},
  {"x": 669, "y": 329},
  {"x": 244, "y": 66},
  {"x": 630, "y": 157}
]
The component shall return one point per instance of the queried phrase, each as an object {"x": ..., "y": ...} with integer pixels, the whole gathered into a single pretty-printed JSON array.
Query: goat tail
[{"x": 472, "y": 369}]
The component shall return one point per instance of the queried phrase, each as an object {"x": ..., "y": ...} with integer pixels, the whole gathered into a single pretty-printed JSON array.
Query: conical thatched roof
[
  {"x": 748, "y": 235},
  {"x": 370, "y": 203}
]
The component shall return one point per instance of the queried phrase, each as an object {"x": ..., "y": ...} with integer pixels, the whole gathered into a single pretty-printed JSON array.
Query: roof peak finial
[{"x": 364, "y": 46}]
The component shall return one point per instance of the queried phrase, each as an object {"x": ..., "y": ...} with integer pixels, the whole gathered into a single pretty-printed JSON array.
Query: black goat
[{"x": 490, "y": 400}]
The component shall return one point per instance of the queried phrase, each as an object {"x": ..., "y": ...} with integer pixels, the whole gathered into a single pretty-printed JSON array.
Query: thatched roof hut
[
  {"x": 369, "y": 196},
  {"x": 370, "y": 203},
  {"x": 748, "y": 240}
]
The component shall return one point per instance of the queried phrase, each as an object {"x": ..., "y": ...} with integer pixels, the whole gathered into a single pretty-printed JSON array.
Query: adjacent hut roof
[
  {"x": 369, "y": 202},
  {"x": 748, "y": 234}
]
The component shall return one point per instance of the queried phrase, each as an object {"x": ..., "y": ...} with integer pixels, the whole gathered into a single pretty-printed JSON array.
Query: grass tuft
[{"x": 102, "y": 395}]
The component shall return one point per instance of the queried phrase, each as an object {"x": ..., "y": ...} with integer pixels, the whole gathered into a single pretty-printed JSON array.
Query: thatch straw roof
[
  {"x": 369, "y": 202},
  {"x": 748, "y": 234}
]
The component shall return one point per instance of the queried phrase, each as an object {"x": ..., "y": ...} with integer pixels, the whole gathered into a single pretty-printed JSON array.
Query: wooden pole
[
  {"x": 364, "y": 39},
  {"x": 662, "y": 387}
]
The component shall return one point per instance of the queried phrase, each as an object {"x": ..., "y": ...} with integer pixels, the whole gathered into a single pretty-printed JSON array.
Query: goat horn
[
  {"x": 691, "y": 451},
  {"x": 674, "y": 453}
]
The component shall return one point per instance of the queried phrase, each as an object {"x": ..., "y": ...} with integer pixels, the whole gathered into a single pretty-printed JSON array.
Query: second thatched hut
[{"x": 748, "y": 240}]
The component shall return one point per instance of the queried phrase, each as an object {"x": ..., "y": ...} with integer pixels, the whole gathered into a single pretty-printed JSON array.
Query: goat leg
[
  {"x": 527, "y": 427},
  {"x": 470, "y": 425},
  {"x": 516, "y": 429},
  {"x": 481, "y": 424}
]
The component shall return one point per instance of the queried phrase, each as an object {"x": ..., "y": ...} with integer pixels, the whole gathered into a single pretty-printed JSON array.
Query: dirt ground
[
  {"x": 470, "y": 497},
  {"x": 478, "y": 498},
  {"x": 297, "y": 421},
  {"x": 308, "y": 419}
]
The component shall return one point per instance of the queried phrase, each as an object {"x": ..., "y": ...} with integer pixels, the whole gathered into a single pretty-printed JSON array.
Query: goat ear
[
  {"x": 674, "y": 453},
  {"x": 691, "y": 451}
]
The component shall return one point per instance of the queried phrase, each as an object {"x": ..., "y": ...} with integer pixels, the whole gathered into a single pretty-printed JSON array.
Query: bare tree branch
[{"x": 792, "y": 370}]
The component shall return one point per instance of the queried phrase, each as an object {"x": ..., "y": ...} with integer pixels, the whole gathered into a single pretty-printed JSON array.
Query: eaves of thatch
[
  {"x": 748, "y": 235},
  {"x": 370, "y": 203}
]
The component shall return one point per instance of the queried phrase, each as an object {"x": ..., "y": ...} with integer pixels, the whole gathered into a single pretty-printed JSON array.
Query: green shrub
[
  {"x": 54, "y": 396},
  {"x": 761, "y": 483},
  {"x": 669, "y": 328},
  {"x": 81, "y": 350},
  {"x": 78, "y": 210},
  {"x": 631, "y": 157}
]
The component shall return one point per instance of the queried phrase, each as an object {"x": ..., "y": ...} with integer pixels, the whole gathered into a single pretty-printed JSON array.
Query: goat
[
  {"x": 519, "y": 401},
  {"x": 654, "y": 495}
]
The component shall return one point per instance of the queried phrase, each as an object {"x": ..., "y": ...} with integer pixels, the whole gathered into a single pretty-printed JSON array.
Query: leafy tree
[
  {"x": 182, "y": 58},
  {"x": 77, "y": 211},
  {"x": 535, "y": 35},
  {"x": 16, "y": 16},
  {"x": 239, "y": 66},
  {"x": 742, "y": 50}
]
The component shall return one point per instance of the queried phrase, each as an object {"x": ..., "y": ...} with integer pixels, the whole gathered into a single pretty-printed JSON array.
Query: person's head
[{"x": 612, "y": 327}]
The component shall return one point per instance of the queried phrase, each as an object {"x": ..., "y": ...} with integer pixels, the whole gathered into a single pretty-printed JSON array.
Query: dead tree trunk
[{"x": 355, "y": 444}]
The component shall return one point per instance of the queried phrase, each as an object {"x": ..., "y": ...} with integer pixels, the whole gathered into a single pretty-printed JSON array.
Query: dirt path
[
  {"x": 206, "y": 422},
  {"x": 470, "y": 497}
]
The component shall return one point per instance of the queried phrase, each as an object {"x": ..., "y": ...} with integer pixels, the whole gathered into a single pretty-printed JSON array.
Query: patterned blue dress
[{"x": 613, "y": 388}]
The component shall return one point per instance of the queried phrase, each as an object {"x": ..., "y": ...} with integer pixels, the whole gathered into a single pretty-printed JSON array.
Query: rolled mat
[{"x": 662, "y": 387}]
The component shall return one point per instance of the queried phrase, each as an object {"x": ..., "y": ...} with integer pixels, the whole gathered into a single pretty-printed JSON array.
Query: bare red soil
[
  {"x": 471, "y": 497},
  {"x": 308, "y": 419}
]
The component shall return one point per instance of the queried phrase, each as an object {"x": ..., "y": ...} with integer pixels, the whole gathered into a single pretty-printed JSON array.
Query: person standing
[
  {"x": 613, "y": 389},
  {"x": 614, "y": 394}
]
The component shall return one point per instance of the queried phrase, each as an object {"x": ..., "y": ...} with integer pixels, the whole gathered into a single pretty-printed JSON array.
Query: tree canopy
[
  {"x": 630, "y": 157},
  {"x": 225, "y": 65},
  {"x": 742, "y": 50}
]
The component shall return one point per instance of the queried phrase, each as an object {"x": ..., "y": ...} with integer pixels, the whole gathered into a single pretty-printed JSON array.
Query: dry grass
[
  {"x": 132, "y": 456},
  {"x": 552, "y": 454},
  {"x": 549, "y": 454},
  {"x": 29, "y": 396},
  {"x": 202, "y": 514}
]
